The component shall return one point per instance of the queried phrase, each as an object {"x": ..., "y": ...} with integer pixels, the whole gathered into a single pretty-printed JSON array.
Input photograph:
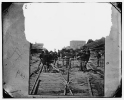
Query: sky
[{"x": 56, "y": 24}]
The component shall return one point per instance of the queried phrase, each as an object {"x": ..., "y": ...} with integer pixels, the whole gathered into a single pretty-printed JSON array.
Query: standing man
[
  {"x": 84, "y": 59},
  {"x": 43, "y": 59},
  {"x": 87, "y": 57},
  {"x": 98, "y": 58}
]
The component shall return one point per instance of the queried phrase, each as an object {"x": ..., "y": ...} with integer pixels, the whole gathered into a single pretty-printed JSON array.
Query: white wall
[
  {"x": 113, "y": 55},
  {"x": 15, "y": 53}
]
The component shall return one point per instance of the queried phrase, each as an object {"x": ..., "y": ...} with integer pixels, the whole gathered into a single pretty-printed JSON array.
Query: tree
[{"x": 90, "y": 41}]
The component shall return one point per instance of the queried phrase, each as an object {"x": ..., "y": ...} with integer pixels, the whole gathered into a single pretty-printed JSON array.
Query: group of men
[
  {"x": 84, "y": 58},
  {"x": 47, "y": 58}
]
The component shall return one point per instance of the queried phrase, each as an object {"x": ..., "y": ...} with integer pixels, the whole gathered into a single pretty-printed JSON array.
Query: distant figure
[
  {"x": 41, "y": 59},
  {"x": 87, "y": 58},
  {"x": 98, "y": 58},
  {"x": 55, "y": 57},
  {"x": 87, "y": 55},
  {"x": 67, "y": 61},
  {"x": 84, "y": 58}
]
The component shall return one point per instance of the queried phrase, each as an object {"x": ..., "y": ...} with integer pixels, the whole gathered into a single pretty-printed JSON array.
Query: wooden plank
[{"x": 89, "y": 86}]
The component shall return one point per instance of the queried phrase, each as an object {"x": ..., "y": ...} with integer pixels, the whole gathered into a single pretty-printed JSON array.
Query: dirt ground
[{"x": 54, "y": 83}]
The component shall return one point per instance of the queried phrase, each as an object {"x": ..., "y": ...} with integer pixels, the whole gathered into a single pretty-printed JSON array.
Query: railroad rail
[
  {"x": 36, "y": 82},
  {"x": 67, "y": 82}
]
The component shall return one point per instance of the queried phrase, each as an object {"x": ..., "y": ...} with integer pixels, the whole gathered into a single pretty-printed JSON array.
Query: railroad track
[
  {"x": 35, "y": 83},
  {"x": 35, "y": 80}
]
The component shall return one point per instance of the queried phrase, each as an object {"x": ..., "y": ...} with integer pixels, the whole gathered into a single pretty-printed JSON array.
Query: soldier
[
  {"x": 87, "y": 58},
  {"x": 43, "y": 59},
  {"x": 84, "y": 59},
  {"x": 98, "y": 58},
  {"x": 49, "y": 60},
  {"x": 55, "y": 56}
]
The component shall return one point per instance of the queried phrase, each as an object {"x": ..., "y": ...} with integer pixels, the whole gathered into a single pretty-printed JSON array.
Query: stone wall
[
  {"x": 113, "y": 55},
  {"x": 15, "y": 53}
]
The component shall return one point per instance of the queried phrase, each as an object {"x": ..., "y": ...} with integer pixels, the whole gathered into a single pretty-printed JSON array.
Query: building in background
[
  {"x": 75, "y": 44},
  {"x": 37, "y": 46},
  {"x": 68, "y": 47}
]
